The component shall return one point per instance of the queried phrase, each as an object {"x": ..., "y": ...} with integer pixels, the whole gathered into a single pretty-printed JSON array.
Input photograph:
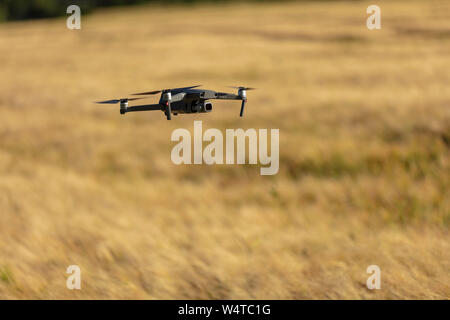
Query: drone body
[{"x": 182, "y": 100}]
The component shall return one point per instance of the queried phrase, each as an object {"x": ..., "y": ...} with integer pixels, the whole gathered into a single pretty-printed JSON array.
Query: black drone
[{"x": 182, "y": 100}]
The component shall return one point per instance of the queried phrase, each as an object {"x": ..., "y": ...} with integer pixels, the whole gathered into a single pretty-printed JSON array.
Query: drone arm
[
  {"x": 147, "y": 107},
  {"x": 226, "y": 96},
  {"x": 230, "y": 96}
]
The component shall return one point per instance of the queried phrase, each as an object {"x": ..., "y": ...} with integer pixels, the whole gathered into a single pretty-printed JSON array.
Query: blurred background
[{"x": 364, "y": 123}]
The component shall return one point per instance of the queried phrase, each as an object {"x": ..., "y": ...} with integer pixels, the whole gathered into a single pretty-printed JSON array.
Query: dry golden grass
[{"x": 364, "y": 124}]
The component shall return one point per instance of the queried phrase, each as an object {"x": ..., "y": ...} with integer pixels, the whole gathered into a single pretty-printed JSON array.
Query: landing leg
[
  {"x": 242, "y": 107},
  {"x": 168, "y": 111}
]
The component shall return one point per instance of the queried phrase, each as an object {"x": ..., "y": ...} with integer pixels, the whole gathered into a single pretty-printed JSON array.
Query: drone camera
[{"x": 207, "y": 107}]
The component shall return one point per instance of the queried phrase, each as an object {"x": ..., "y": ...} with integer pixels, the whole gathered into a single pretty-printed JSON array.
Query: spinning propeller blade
[
  {"x": 241, "y": 88},
  {"x": 165, "y": 90},
  {"x": 118, "y": 100},
  {"x": 109, "y": 102},
  {"x": 147, "y": 93}
]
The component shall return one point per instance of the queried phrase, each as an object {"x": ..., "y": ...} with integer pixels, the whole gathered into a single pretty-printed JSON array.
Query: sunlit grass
[{"x": 364, "y": 124}]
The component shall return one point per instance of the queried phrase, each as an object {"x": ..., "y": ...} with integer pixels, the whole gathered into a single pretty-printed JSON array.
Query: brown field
[{"x": 364, "y": 176}]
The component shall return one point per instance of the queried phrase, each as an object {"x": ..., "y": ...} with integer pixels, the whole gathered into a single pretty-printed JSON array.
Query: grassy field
[{"x": 364, "y": 119}]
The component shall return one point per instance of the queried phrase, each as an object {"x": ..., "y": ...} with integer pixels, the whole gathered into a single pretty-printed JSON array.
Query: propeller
[
  {"x": 242, "y": 88},
  {"x": 114, "y": 101},
  {"x": 242, "y": 93},
  {"x": 147, "y": 93},
  {"x": 165, "y": 90}
]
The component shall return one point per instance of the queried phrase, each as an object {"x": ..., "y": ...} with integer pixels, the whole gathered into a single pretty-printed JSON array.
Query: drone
[{"x": 181, "y": 100}]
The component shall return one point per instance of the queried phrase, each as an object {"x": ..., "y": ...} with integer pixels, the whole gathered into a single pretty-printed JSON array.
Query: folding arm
[
  {"x": 230, "y": 96},
  {"x": 147, "y": 107},
  {"x": 226, "y": 96}
]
